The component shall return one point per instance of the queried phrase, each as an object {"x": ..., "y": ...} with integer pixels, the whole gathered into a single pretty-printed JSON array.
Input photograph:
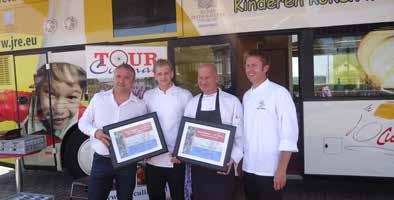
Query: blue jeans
[{"x": 102, "y": 176}]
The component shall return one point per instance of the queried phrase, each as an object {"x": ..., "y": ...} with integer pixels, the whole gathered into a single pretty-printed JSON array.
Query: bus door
[
  {"x": 227, "y": 53},
  {"x": 59, "y": 91},
  {"x": 70, "y": 89},
  {"x": 282, "y": 53},
  {"x": 187, "y": 54},
  {"x": 22, "y": 99}
]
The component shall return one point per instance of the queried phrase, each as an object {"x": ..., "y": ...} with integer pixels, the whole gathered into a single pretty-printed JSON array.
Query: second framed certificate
[
  {"x": 135, "y": 139},
  {"x": 204, "y": 143}
]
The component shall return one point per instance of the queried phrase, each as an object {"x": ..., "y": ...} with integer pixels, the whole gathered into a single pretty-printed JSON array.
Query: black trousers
[
  {"x": 260, "y": 188},
  {"x": 157, "y": 177},
  {"x": 208, "y": 184}
]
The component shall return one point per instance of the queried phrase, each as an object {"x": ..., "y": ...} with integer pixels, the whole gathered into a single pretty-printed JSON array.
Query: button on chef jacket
[
  {"x": 103, "y": 110},
  {"x": 230, "y": 112},
  {"x": 169, "y": 106},
  {"x": 270, "y": 126}
]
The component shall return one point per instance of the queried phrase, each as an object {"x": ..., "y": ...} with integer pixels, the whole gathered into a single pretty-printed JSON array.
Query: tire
[{"x": 78, "y": 156}]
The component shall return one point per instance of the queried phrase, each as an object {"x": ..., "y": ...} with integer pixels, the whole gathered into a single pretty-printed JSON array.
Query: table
[{"x": 18, "y": 168}]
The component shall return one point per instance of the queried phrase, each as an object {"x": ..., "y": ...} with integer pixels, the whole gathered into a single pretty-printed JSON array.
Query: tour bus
[{"x": 334, "y": 57}]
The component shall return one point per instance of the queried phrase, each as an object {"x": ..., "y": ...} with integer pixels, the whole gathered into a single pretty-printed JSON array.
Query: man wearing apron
[{"x": 217, "y": 106}]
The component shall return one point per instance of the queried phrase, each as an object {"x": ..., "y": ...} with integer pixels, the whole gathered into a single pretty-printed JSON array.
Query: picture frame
[
  {"x": 135, "y": 139},
  {"x": 205, "y": 144}
]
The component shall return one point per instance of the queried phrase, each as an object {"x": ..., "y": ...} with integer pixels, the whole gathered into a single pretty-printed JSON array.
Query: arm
[
  {"x": 190, "y": 109},
  {"x": 237, "y": 151},
  {"x": 87, "y": 126},
  {"x": 188, "y": 96},
  {"x": 288, "y": 133},
  {"x": 146, "y": 98},
  {"x": 86, "y": 122},
  {"x": 237, "y": 121},
  {"x": 145, "y": 109},
  {"x": 281, "y": 171}
]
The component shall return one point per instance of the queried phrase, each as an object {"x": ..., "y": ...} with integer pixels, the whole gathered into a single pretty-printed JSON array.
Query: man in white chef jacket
[
  {"x": 217, "y": 106},
  {"x": 169, "y": 102},
  {"x": 270, "y": 131}
]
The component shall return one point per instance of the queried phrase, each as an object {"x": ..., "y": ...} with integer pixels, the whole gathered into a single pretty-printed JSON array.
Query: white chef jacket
[
  {"x": 230, "y": 112},
  {"x": 103, "y": 110},
  {"x": 270, "y": 126},
  {"x": 169, "y": 107}
]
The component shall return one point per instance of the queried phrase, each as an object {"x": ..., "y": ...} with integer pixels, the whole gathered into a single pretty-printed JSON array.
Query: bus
[{"x": 335, "y": 58}]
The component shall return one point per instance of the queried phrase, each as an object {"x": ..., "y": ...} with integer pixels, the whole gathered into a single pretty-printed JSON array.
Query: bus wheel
[{"x": 78, "y": 155}]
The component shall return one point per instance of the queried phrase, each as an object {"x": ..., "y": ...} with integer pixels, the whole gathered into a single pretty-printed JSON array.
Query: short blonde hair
[
  {"x": 162, "y": 63},
  {"x": 257, "y": 53}
]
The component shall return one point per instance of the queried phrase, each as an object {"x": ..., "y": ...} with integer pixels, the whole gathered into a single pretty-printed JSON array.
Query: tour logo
[{"x": 102, "y": 60}]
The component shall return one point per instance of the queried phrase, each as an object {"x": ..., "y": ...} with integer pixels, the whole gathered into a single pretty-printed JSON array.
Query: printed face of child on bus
[
  {"x": 66, "y": 94},
  {"x": 255, "y": 70}
]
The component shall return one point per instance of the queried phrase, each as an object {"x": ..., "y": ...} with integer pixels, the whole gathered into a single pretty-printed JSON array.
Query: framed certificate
[
  {"x": 135, "y": 139},
  {"x": 204, "y": 143}
]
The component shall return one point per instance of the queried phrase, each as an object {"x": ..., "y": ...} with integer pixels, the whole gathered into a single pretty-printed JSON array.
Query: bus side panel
[{"x": 349, "y": 138}]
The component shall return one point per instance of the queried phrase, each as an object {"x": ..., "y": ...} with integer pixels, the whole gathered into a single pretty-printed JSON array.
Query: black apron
[{"x": 206, "y": 183}]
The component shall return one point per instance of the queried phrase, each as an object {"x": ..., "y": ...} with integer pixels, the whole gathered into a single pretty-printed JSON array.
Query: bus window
[
  {"x": 295, "y": 80},
  {"x": 188, "y": 58},
  {"x": 358, "y": 65},
  {"x": 136, "y": 17}
]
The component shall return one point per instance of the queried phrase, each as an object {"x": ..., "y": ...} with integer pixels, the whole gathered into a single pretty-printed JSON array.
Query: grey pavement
[
  {"x": 36, "y": 181},
  {"x": 310, "y": 188}
]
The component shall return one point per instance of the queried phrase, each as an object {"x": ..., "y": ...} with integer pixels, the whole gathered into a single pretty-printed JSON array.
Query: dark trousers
[
  {"x": 102, "y": 176},
  {"x": 208, "y": 184},
  {"x": 260, "y": 188},
  {"x": 157, "y": 177}
]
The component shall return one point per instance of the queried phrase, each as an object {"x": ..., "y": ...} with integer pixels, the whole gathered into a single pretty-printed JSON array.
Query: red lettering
[
  {"x": 368, "y": 108},
  {"x": 150, "y": 58},
  {"x": 139, "y": 129},
  {"x": 132, "y": 60},
  {"x": 385, "y": 137},
  {"x": 210, "y": 135},
  {"x": 101, "y": 57}
]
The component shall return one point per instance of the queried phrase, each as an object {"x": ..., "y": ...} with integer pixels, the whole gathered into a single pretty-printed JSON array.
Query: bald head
[
  {"x": 210, "y": 66},
  {"x": 208, "y": 78}
]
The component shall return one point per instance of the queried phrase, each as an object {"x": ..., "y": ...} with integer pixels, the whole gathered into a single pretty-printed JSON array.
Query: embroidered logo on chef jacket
[{"x": 261, "y": 105}]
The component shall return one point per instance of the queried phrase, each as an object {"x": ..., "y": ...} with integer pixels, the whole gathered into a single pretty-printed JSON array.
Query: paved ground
[
  {"x": 320, "y": 188},
  {"x": 36, "y": 181}
]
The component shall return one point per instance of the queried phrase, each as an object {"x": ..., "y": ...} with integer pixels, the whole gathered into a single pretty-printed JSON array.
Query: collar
[
  {"x": 262, "y": 85},
  {"x": 213, "y": 94},
  {"x": 132, "y": 97},
  {"x": 168, "y": 91}
]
